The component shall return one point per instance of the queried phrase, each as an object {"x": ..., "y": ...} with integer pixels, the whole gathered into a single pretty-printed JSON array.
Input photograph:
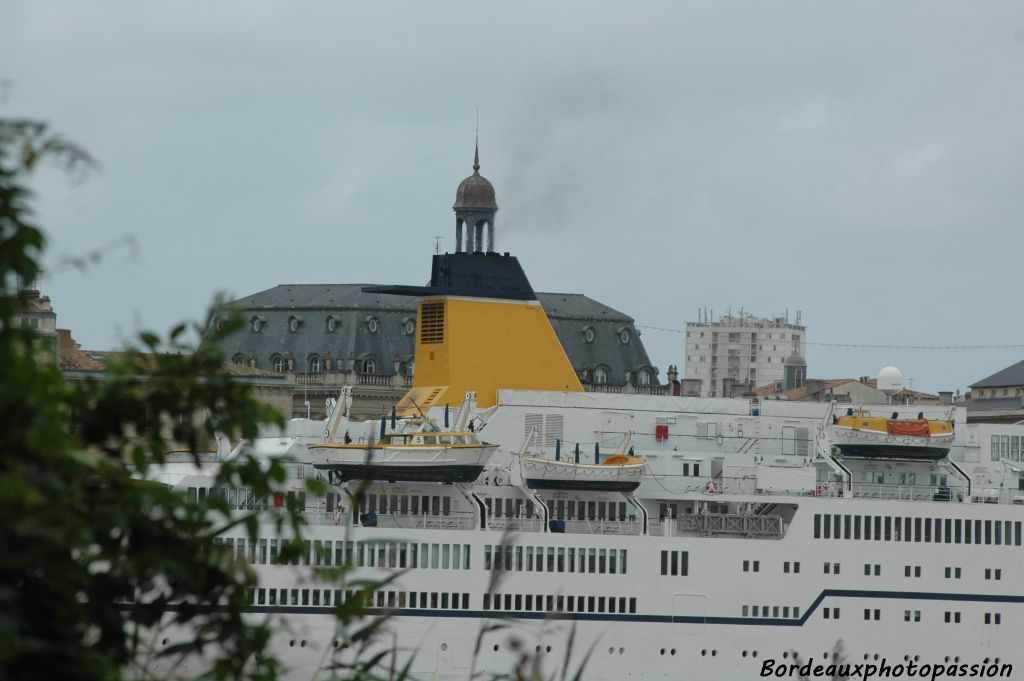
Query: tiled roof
[{"x": 72, "y": 359}]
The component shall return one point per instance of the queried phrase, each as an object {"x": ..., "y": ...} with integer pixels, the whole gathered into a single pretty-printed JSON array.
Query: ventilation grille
[{"x": 432, "y": 322}]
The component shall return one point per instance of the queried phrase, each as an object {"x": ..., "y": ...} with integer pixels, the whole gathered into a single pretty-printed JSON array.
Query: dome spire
[{"x": 476, "y": 149}]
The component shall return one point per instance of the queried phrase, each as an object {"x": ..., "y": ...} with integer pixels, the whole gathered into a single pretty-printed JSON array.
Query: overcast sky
[{"x": 860, "y": 162}]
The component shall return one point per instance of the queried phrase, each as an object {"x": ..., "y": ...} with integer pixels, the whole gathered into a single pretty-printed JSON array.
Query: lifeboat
[
  {"x": 864, "y": 436},
  {"x": 417, "y": 452},
  {"x": 617, "y": 473}
]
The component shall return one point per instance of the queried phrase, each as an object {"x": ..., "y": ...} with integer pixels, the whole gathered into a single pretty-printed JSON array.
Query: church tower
[{"x": 474, "y": 211}]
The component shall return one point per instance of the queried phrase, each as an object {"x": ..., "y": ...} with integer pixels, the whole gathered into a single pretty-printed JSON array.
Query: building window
[
  {"x": 238, "y": 359},
  {"x": 277, "y": 361},
  {"x": 369, "y": 365},
  {"x": 624, "y": 336},
  {"x": 408, "y": 327},
  {"x": 293, "y": 324},
  {"x": 315, "y": 364},
  {"x": 372, "y": 324},
  {"x": 643, "y": 377},
  {"x": 332, "y": 324},
  {"x": 256, "y": 324},
  {"x": 589, "y": 335},
  {"x": 600, "y": 375}
]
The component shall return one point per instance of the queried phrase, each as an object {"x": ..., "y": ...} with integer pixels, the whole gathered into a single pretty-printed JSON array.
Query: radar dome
[{"x": 890, "y": 380}]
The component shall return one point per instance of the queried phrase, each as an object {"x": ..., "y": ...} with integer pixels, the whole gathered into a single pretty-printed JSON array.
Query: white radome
[{"x": 890, "y": 379}]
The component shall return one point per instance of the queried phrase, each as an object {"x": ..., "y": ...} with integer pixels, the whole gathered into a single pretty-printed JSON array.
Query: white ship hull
[{"x": 670, "y": 581}]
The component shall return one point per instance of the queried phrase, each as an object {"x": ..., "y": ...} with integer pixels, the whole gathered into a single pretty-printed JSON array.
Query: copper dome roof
[{"x": 475, "y": 191}]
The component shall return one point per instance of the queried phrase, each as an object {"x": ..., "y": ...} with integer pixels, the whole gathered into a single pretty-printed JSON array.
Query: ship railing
[
  {"x": 515, "y": 524},
  {"x": 602, "y": 526},
  {"x": 868, "y": 490},
  {"x": 453, "y": 521},
  {"x": 732, "y": 524}
]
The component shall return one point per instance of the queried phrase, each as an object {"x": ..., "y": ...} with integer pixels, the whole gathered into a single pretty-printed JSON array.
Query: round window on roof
[
  {"x": 256, "y": 325},
  {"x": 373, "y": 325},
  {"x": 624, "y": 336},
  {"x": 588, "y": 334},
  {"x": 332, "y": 324},
  {"x": 409, "y": 327},
  {"x": 219, "y": 324},
  {"x": 293, "y": 324}
]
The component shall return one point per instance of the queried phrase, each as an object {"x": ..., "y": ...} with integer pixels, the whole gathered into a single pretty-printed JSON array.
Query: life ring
[{"x": 710, "y": 487}]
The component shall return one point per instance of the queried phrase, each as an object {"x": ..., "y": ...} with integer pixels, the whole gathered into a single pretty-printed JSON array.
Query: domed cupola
[{"x": 474, "y": 208}]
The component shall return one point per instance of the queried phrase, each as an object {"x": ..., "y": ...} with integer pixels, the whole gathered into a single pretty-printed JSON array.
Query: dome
[
  {"x": 890, "y": 379},
  {"x": 476, "y": 191},
  {"x": 795, "y": 360}
]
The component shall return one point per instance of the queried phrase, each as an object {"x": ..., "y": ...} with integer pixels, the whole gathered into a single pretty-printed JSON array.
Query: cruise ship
[{"x": 525, "y": 523}]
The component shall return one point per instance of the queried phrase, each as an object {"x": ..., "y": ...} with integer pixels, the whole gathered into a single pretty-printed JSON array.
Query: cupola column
[{"x": 475, "y": 207}]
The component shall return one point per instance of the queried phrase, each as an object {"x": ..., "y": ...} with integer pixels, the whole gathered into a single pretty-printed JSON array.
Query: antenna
[{"x": 437, "y": 244}]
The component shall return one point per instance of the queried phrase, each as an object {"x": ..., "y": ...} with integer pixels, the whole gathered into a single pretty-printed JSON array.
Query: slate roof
[
  {"x": 1011, "y": 375},
  {"x": 570, "y": 315}
]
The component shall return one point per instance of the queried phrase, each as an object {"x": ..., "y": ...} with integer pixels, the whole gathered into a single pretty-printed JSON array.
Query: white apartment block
[{"x": 744, "y": 348}]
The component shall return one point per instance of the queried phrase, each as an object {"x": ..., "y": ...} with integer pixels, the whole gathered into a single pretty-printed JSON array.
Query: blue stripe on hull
[{"x": 653, "y": 619}]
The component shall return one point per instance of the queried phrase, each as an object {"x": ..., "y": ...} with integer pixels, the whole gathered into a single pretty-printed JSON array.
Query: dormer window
[
  {"x": 643, "y": 377},
  {"x": 294, "y": 324},
  {"x": 277, "y": 361},
  {"x": 218, "y": 325},
  {"x": 257, "y": 323},
  {"x": 369, "y": 365},
  {"x": 600, "y": 375},
  {"x": 372, "y": 324},
  {"x": 589, "y": 334},
  {"x": 332, "y": 324},
  {"x": 238, "y": 359},
  {"x": 624, "y": 336},
  {"x": 315, "y": 364},
  {"x": 408, "y": 326}
]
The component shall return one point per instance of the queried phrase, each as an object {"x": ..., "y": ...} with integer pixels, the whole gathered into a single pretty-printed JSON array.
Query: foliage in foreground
[{"x": 91, "y": 557}]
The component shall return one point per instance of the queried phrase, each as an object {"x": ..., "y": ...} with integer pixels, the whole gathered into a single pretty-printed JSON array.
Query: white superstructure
[{"x": 747, "y": 540}]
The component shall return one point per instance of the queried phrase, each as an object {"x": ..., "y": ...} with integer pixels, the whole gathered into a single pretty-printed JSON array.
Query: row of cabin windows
[
  {"x": 904, "y": 528},
  {"x": 539, "y": 603},
  {"x": 776, "y": 611},
  {"x": 675, "y": 563},
  {"x": 243, "y": 499},
  {"x": 360, "y": 554},
  {"x": 562, "y": 509},
  {"x": 499, "y": 507},
  {"x": 555, "y": 559},
  {"x": 406, "y": 504},
  {"x": 380, "y": 599}
]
